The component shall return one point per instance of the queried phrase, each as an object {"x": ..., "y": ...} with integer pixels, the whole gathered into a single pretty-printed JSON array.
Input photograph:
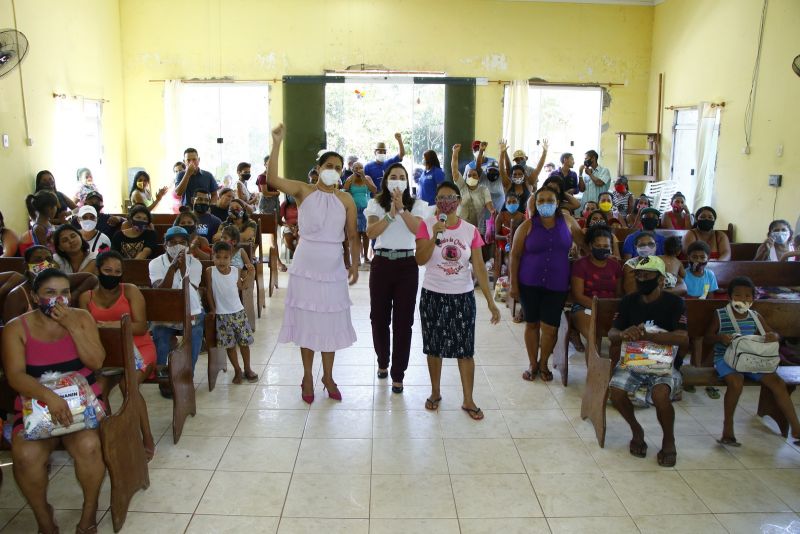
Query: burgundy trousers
[{"x": 393, "y": 297}]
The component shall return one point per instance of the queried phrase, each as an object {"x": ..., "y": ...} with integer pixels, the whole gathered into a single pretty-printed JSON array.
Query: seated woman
[
  {"x": 199, "y": 246},
  {"x": 238, "y": 217},
  {"x": 600, "y": 218},
  {"x": 778, "y": 242},
  {"x": 606, "y": 205},
  {"x": 65, "y": 339},
  {"x": 37, "y": 259},
  {"x": 107, "y": 304},
  {"x": 42, "y": 207},
  {"x": 634, "y": 217},
  {"x": 742, "y": 292},
  {"x": 597, "y": 275},
  {"x": 139, "y": 241},
  {"x": 142, "y": 194},
  {"x": 793, "y": 254},
  {"x": 645, "y": 244},
  {"x": 703, "y": 230},
  {"x": 588, "y": 208},
  {"x": 220, "y": 209},
  {"x": 9, "y": 241},
  {"x": 72, "y": 252},
  {"x": 623, "y": 199},
  {"x": 508, "y": 219},
  {"x": 679, "y": 217},
  {"x": 45, "y": 181}
]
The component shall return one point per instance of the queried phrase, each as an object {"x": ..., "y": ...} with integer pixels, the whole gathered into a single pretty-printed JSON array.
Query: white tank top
[{"x": 226, "y": 292}]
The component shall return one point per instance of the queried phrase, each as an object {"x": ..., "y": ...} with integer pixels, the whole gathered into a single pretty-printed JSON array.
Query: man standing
[
  {"x": 193, "y": 178},
  {"x": 521, "y": 158},
  {"x": 654, "y": 315},
  {"x": 208, "y": 224},
  {"x": 375, "y": 168},
  {"x": 349, "y": 169},
  {"x": 571, "y": 183},
  {"x": 597, "y": 178}
]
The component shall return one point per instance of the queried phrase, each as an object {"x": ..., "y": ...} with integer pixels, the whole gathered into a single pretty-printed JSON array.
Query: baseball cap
[
  {"x": 651, "y": 263},
  {"x": 93, "y": 194},
  {"x": 173, "y": 231},
  {"x": 476, "y": 144},
  {"x": 519, "y": 154},
  {"x": 86, "y": 209},
  {"x": 651, "y": 210}
]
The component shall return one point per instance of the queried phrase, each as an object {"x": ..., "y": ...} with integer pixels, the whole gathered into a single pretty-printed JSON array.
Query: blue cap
[{"x": 176, "y": 231}]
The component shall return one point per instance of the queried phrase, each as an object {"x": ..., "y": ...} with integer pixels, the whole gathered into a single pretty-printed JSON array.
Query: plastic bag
[
  {"x": 488, "y": 237},
  {"x": 501, "y": 289},
  {"x": 648, "y": 358},
  {"x": 87, "y": 411}
]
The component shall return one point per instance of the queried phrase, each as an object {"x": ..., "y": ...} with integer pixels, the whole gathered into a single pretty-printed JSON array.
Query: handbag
[{"x": 751, "y": 354}]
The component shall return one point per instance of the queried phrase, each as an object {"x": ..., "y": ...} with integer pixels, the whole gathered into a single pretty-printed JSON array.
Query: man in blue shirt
[
  {"x": 207, "y": 224},
  {"x": 650, "y": 218},
  {"x": 193, "y": 178},
  {"x": 376, "y": 168},
  {"x": 478, "y": 148},
  {"x": 571, "y": 183}
]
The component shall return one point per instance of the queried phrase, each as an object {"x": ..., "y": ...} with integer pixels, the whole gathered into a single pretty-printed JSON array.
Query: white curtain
[
  {"x": 707, "y": 138},
  {"x": 516, "y": 116},
  {"x": 173, "y": 151}
]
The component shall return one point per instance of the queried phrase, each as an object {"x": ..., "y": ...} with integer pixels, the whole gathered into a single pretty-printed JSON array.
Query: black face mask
[
  {"x": 201, "y": 208},
  {"x": 246, "y": 176},
  {"x": 697, "y": 266},
  {"x": 140, "y": 225},
  {"x": 600, "y": 254},
  {"x": 190, "y": 229},
  {"x": 587, "y": 163},
  {"x": 492, "y": 175},
  {"x": 108, "y": 281},
  {"x": 645, "y": 287},
  {"x": 705, "y": 225},
  {"x": 650, "y": 223}
]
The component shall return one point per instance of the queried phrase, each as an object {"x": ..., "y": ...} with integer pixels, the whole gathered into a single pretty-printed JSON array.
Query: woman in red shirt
[{"x": 679, "y": 218}]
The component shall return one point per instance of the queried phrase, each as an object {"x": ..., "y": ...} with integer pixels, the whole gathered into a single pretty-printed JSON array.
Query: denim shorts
[
  {"x": 630, "y": 381},
  {"x": 723, "y": 370}
]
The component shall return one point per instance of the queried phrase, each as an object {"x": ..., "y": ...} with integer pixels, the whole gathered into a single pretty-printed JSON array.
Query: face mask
[
  {"x": 36, "y": 268},
  {"x": 246, "y": 176},
  {"x": 140, "y": 185},
  {"x": 108, "y": 281},
  {"x": 705, "y": 225},
  {"x": 190, "y": 229},
  {"x": 201, "y": 208},
  {"x": 699, "y": 266},
  {"x": 329, "y": 177},
  {"x": 600, "y": 253},
  {"x": 740, "y": 307},
  {"x": 475, "y": 154},
  {"x": 87, "y": 225},
  {"x": 236, "y": 214},
  {"x": 547, "y": 210},
  {"x": 380, "y": 158},
  {"x": 650, "y": 223},
  {"x": 605, "y": 206},
  {"x": 780, "y": 237},
  {"x": 447, "y": 206},
  {"x": 645, "y": 251},
  {"x": 47, "y": 305},
  {"x": 519, "y": 180},
  {"x": 139, "y": 225},
  {"x": 174, "y": 250},
  {"x": 472, "y": 182},
  {"x": 396, "y": 185},
  {"x": 595, "y": 223},
  {"x": 619, "y": 188},
  {"x": 492, "y": 175},
  {"x": 645, "y": 287},
  {"x": 512, "y": 208}
]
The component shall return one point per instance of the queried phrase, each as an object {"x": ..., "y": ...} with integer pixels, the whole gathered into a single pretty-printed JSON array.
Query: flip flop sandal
[
  {"x": 475, "y": 414},
  {"x": 712, "y": 392},
  {"x": 251, "y": 376},
  {"x": 638, "y": 449},
  {"x": 729, "y": 441},
  {"x": 530, "y": 374},
  {"x": 546, "y": 374},
  {"x": 432, "y": 404},
  {"x": 667, "y": 459}
]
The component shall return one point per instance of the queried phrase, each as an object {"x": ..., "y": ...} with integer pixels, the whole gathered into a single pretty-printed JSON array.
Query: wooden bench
[
  {"x": 781, "y": 316},
  {"x": 622, "y": 233},
  {"x": 762, "y": 273},
  {"x": 744, "y": 251},
  {"x": 268, "y": 225}
]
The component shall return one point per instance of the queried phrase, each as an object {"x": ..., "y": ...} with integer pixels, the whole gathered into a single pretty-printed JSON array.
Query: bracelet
[{"x": 388, "y": 218}]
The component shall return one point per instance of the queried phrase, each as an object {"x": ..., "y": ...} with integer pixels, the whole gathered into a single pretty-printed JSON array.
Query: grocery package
[
  {"x": 86, "y": 410},
  {"x": 647, "y": 357}
]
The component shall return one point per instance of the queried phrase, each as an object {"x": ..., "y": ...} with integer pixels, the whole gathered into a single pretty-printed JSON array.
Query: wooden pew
[
  {"x": 622, "y": 233},
  {"x": 762, "y": 273},
  {"x": 268, "y": 224},
  {"x": 12, "y": 265},
  {"x": 744, "y": 251},
  {"x": 780, "y": 315},
  {"x": 120, "y": 432}
]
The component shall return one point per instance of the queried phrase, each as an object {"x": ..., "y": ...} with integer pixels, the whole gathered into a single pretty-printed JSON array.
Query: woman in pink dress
[{"x": 317, "y": 307}]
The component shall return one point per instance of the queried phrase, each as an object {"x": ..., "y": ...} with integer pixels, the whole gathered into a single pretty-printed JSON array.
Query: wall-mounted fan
[{"x": 13, "y": 47}]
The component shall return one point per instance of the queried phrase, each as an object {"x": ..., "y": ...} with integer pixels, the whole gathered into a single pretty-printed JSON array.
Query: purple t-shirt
[{"x": 545, "y": 260}]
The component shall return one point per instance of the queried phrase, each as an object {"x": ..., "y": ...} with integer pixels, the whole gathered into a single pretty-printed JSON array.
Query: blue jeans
[{"x": 162, "y": 335}]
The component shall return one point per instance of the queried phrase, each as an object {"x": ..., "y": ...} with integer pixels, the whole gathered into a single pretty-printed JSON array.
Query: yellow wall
[
  {"x": 706, "y": 49},
  {"x": 74, "y": 50},
  {"x": 254, "y": 39}
]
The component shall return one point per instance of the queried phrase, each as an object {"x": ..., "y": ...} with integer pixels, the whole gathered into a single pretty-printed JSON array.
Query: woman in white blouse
[{"x": 393, "y": 218}]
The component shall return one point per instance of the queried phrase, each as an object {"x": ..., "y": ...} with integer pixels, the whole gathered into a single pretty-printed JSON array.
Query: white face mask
[
  {"x": 396, "y": 185},
  {"x": 645, "y": 251},
  {"x": 88, "y": 225},
  {"x": 475, "y": 154},
  {"x": 380, "y": 158},
  {"x": 740, "y": 307},
  {"x": 518, "y": 180},
  {"x": 781, "y": 237},
  {"x": 174, "y": 250},
  {"x": 329, "y": 177},
  {"x": 472, "y": 182}
]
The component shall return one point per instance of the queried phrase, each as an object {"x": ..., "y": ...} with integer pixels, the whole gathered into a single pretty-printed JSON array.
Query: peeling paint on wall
[{"x": 491, "y": 62}]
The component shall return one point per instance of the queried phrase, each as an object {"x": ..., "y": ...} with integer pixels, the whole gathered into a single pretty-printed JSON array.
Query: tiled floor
[{"x": 257, "y": 459}]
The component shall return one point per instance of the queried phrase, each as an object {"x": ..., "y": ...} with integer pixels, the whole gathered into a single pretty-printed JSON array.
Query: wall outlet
[
  {"x": 5, "y": 140},
  {"x": 779, "y": 151},
  {"x": 775, "y": 180}
]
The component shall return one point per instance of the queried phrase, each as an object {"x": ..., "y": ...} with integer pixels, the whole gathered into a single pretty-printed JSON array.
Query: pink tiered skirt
[{"x": 317, "y": 307}]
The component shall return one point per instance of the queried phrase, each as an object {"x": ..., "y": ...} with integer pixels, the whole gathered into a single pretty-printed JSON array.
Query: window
[
  {"x": 78, "y": 143},
  {"x": 236, "y": 113},
  {"x": 684, "y": 151},
  {"x": 568, "y": 117}
]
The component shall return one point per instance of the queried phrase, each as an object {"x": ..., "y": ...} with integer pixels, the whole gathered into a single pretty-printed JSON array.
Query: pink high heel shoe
[
  {"x": 308, "y": 399},
  {"x": 335, "y": 396}
]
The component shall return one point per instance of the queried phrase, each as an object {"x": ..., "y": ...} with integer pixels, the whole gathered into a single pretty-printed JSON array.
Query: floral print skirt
[{"x": 448, "y": 324}]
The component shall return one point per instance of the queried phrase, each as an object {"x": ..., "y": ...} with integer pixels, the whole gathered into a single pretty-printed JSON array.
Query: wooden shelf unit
[{"x": 651, "y": 153}]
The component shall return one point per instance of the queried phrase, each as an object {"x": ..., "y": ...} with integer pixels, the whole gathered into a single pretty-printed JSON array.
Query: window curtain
[
  {"x": 707, "y": 138},
  {"x": 173, "y": 92},
  {"x": 515, "y": 115}
]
